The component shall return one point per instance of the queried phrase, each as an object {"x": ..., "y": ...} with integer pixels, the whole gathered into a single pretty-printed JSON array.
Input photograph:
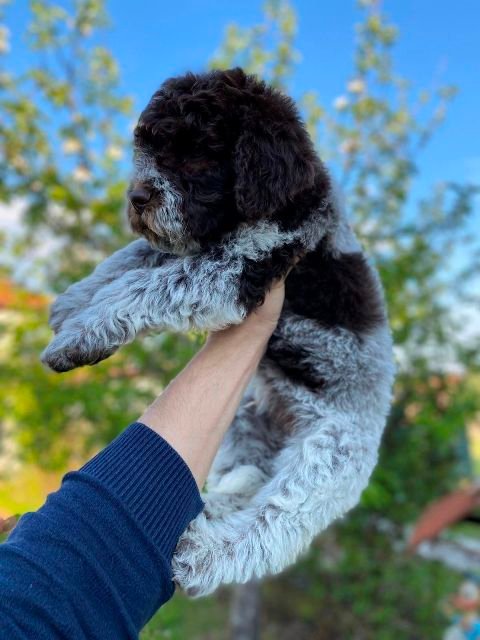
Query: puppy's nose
[{"x": 139, "y": 197}]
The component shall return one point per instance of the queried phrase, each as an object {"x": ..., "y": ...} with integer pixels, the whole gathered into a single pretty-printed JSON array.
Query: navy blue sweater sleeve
[{"x": 94, "y": 561}]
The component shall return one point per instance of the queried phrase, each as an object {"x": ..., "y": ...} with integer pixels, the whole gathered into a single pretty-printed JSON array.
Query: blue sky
[{"x": 439, "y": 41}]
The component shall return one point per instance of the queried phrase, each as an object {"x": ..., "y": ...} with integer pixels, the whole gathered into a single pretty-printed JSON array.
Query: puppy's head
[{"x": 212, "y": 152}]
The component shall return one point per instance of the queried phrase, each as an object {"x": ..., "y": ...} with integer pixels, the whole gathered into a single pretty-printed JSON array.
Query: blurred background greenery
[{"x": 64, "y": 135}]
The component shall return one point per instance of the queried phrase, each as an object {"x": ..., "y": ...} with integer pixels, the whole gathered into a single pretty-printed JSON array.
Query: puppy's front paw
[{"x": 70, "y": 349}]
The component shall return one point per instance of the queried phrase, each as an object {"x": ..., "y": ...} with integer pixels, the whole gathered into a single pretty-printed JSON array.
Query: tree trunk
[{"x": 245, "y": 612}]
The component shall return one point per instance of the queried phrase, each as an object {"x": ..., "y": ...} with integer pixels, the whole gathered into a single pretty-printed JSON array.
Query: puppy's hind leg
[
  {"x": 244, "y": 461},
  {"x": 317, "y": 479},
  {"x": 318, "y": 475}
]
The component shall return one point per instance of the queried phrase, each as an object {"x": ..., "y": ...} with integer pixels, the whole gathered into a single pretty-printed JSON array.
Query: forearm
[
  {"x": 195, "y": 410},
  {"x": 95, "y": 560}
]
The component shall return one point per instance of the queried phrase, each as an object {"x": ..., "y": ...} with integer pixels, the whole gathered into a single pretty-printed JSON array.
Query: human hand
[{"x": 258, "y": 326}]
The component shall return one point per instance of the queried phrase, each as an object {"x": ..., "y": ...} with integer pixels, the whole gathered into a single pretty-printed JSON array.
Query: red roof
[
  {"x": 444, "y": 512},
  {"x": 14, "y": 297}
]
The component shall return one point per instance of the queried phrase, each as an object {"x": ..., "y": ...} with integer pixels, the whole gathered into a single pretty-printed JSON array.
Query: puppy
[{"x": 227, "y": 191}]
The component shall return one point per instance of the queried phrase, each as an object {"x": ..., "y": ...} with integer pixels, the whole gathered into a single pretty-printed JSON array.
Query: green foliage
[
  {"x": 58, "y": 419},
  {"x": 265, "y": 49},
  {"x": 63, "y": 137},
  {"x": 181, "y": 618},
  {"x": 383, "y": 594}
]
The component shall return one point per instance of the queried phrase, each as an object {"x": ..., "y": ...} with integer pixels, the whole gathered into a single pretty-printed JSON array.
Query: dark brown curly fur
[{"x": 235, "y": 149}]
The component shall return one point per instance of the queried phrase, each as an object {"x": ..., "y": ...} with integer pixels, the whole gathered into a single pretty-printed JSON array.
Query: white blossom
[
  {"x": 357, "y": 85},
  {"x": 81, "y": 174},
  {"x": 348, "y": 146},
  {"x": 4, "y": 39},
  {"x": 19, "y": 163},
  {"x": 71, "y": 145},
  {"x": 114, "y": 152},
  {"x": 341, "y": 103}
]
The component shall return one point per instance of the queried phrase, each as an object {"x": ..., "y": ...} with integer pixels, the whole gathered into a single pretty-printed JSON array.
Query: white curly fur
[
  {"x": 293, "y": 460},
  {"x": 270, "y": 493}
]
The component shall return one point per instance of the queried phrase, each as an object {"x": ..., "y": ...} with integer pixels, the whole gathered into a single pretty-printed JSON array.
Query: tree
[{"x": 64, "y": 135}]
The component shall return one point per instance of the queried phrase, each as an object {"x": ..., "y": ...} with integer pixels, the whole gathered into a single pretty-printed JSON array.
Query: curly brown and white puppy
[{"x": 227, "y": 191}]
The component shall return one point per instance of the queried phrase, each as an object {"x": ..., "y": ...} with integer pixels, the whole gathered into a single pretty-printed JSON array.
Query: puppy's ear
[{"x": 271, "y": 167}]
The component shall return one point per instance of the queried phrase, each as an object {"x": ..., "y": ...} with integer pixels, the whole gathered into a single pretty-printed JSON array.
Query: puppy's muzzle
[{"x": 139, "y": 197}]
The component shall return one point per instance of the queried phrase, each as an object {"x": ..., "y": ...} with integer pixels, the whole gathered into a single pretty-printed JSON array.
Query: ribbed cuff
[{"x": 152, "y": 481}]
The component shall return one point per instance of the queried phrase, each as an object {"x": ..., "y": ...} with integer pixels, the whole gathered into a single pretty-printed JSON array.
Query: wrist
[{"x": 252, "y": 335}]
